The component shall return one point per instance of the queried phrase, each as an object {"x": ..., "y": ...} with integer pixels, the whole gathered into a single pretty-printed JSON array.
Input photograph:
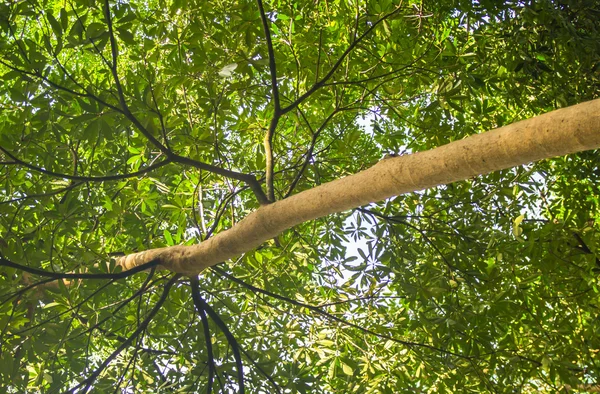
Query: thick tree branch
[
  {"x": 583, "y": 388},
  {"x": 557, "y": 133}
]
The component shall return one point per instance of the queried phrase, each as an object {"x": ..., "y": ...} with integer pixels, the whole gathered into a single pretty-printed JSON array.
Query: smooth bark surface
[{"x": 556, "y": 133}]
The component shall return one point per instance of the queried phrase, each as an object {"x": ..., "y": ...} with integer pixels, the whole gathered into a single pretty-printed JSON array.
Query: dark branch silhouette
[
  {"x": 207, "y": 337},
  {"x": 268, "y": 141},
  {"x": 337, "y": 64},
  {"x": 86, "y": 178},
  {"x": 329, "y": 316},
  {"x": 57, "y": 275},
  {"x": 141, "y": 327},
  {"x": 235, "y": 347}
]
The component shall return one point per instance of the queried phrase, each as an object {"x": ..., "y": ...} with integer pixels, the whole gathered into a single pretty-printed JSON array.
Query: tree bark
[{"x": 556, "y": 133}]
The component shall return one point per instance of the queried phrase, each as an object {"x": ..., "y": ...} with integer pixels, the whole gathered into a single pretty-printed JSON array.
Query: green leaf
[
  {"x": 516, "y": 229},
  {"x": 94, "y": 30},
  {"x": 168, "y": 238},
  {"x": 126, "y": 36},
  {"x": 227, "y": 71},
  {"x": 56, "y": 26},
  {"x": 347, "y": 369}
]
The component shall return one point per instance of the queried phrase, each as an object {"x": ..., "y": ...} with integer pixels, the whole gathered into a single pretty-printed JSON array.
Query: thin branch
[
  {"x": 129, "y": 365},
  {"x": 24, "y": 290},
  {"x": 262, "y": 371},
  {"x": 318, "y": 67},
  {"x": 249, "y": 179},
  {"x": 337, "y": 64},
  {"x": 162, "y": 376},
  {"x": 329, "y": 316},
  {"x": 98, "y": 325},
  {"x": 272, "y": 64},
  {"x": 113, "y": 69},
  {"x": 582, "y": 246},
  {"x": 41, "y": 195},
  {"x": 198, "y": 208},
  {"x": 256, "y": 364},
  {"x": 64, "y": 312},
  {"x": 18, "y": 42},
  {"x": 207, "y": 337},
  {"x": 309, "y": 153},
  {"x": 143, "y": 325},
  {"x": 219, "y": 212},
  {"x": 269, "y": 160},
  {"x": 161, "y": 119},
  {"x": 56, "y": 275},
  {"x": 235, "y": 347},
  {"x": 90, "y": 38},
  {"x": 171, "y": 156},
  {"x": 394, "y": 74},
  {"x": 364, "y": 298},
  {"x": 86, "y": 178},
  {"x": 268, "y": 141},
  {"x": 61, "y": 87}
]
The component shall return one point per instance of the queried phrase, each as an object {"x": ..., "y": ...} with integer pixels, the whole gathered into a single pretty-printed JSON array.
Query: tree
[{"x": 127, "y": 127}]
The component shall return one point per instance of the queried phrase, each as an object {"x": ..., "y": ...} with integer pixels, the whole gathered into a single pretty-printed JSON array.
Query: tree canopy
[{"x": 127, "y": 126}]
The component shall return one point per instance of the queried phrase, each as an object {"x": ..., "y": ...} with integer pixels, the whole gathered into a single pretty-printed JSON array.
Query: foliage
[{"x": 132, "y": 125}]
